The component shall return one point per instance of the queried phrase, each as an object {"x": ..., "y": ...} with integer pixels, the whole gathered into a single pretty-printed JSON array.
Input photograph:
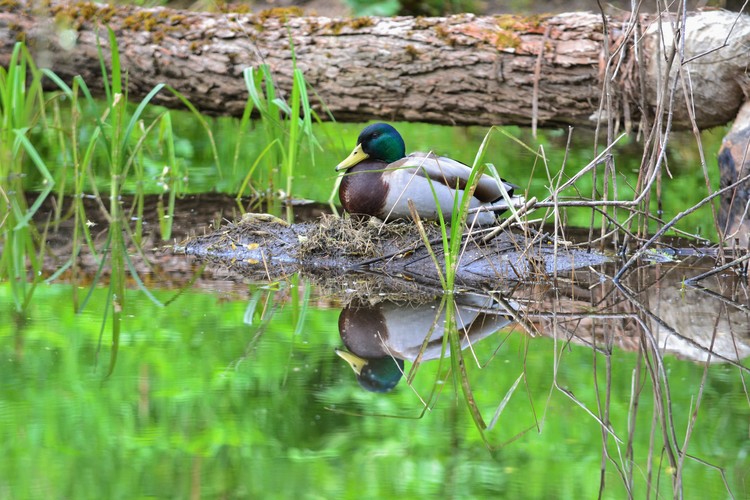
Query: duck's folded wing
[{"x": 452, "y": 174}]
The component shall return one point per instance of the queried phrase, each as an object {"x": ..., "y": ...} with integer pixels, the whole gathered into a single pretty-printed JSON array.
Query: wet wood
[
  {"x": 463, "y": 69},
  {"x": 267, "y": 248}
]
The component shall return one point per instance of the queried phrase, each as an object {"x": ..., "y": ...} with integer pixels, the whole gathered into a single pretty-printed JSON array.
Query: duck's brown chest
[{"x": 363, "y": 189}]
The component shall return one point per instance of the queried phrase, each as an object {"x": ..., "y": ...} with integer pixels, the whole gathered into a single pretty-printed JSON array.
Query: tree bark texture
[
  {"x": 464, "y": 69},
  {"x": 734, "y": 163}
]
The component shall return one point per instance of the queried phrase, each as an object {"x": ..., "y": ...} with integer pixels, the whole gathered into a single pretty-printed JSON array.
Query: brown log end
[{"x": 734, "y": 163}]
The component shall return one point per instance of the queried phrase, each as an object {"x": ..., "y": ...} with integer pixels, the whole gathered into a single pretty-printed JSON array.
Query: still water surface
[{"x": 236, "y": 390}]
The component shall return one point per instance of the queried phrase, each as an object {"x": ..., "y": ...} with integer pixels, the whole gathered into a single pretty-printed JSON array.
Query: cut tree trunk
[
  {"x": 462, "y": 69},
  {"x": 734, "y": 164}
]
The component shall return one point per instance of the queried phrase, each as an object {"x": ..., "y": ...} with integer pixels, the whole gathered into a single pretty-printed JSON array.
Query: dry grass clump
[
  {"x": 359, "y": 237},
  {"x": 372, "y": 288}
]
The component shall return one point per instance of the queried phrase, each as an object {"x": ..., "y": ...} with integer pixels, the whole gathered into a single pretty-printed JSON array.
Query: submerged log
[
  {"x": 264, "y": 247},
  {"x": 462, "y": 69}
]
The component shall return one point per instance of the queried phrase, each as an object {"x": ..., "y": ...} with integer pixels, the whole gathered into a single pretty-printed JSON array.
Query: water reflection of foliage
[
  {"x": 630, "y": 400},
  {"x": 212, "y": 403}
]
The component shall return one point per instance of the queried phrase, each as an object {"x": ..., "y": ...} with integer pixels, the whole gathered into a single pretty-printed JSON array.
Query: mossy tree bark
[{"x": 462, "y": 69}]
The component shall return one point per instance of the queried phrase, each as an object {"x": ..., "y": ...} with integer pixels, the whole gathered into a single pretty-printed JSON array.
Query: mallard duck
[
  {"x": 380, "y": 179},
  {"x": 379, "y": 337}
]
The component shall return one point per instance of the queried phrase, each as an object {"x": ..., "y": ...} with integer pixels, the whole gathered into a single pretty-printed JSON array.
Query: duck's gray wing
[{"x": 451, "y": 173}]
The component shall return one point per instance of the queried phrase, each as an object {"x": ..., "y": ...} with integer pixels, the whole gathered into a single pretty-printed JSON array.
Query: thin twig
[
  {"x": 671, "y": 223},
  {"x": 695, "y": 279},
  {"x": 521, "y": 211},
  {"x": 537, "y": 78}
]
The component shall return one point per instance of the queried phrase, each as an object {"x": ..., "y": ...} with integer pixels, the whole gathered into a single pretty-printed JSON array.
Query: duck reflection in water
[{"x": 380, "y": 337}]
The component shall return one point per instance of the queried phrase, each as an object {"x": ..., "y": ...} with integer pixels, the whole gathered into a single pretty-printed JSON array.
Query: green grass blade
[
  {"x": 204, "y": 124},
  {"x": 458, "y": 365},
  {"x": 103, "y": 69},
  {"x": 136, "y": 117},
  {"x": 166, "y": 136},
  {"x": 40, "y": 165},
  {"x": 139, "y": 281},
  {"x": 247, "y": 178},
  {"x": 115, "y": 63},
  {"x": 97, "y": 276},
  {"x": 58, "y": 82},
  {"x": 244, "y": 123}
]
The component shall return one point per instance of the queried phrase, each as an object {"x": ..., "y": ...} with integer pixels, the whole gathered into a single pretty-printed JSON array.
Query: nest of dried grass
[{"x": 360, "y": 237}]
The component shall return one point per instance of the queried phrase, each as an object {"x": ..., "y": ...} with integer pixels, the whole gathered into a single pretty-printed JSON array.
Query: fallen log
[
  {"x": 462, "y": 69},
  {"x": 264, "y": 247}
]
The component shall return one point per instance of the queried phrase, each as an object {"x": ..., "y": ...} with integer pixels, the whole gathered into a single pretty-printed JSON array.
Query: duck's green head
[
  {"x": 375, "y": 375},
  {"x": 378, "y": 141}
]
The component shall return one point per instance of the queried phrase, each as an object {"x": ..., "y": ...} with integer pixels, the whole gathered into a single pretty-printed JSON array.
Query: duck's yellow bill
[
  {"x": 354, "y": 157},
  {"x": 354, "y": 361}
]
